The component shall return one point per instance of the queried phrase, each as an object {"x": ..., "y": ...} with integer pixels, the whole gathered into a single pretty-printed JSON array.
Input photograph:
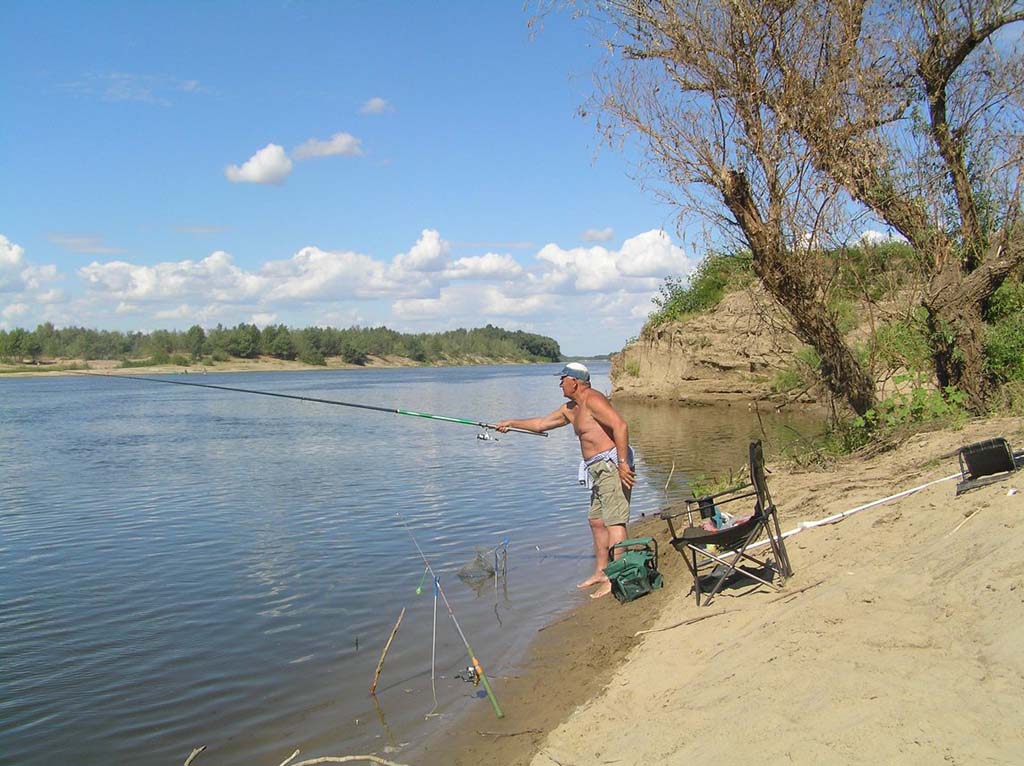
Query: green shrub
[
  {"x": 903, "y": 344},
  {"x": 713, "y": 278},
  {"x": 1006, "y": 301},
  {"x": 313, "y": 356},
  {"x": 920, "y": 403},
  {"x": 787, "y": 380},
  {"x": 1004, "y": 347},
  {"x": 803, "y": 371},
  {"x": 846, "y": 315}
]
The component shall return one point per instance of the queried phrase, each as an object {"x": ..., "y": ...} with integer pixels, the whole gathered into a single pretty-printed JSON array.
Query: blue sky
[{"x": 418, "y": 165}]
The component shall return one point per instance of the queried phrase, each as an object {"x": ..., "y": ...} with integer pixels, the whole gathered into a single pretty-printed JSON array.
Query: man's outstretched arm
[{"x": 556, "y": 419}]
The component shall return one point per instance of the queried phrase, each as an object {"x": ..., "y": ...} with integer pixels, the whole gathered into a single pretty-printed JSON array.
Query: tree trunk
[
  {"x": 787, "y": 282},
  {"x": 954, "y": 304}
]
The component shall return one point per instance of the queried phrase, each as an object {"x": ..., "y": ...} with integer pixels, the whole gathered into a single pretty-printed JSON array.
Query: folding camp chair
[
  {"x": 986, "y": 462},
  {"x": 727, "y": 548}
]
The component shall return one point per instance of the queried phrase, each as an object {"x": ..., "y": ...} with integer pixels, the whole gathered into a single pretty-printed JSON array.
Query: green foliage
[
  {"x": 632, "y": 368},
  {"x": 714, "y": 277},
  {"x": 353, "y": 354},
  {"x": 918, "y": 403},
  {"x": 903, "y": 344},
  {"x": 870, "y": 271},
  {"x": 195, "y": 341},
  {"x": 803, "y": 371},
  {"x": 313, "y": 345},
  {"x": 846, "y": 315},
  {"x": 703, "y": 484},
  {"x": 1004, "y": 347},
  {"x": 1004, "y": 336},
  {"x": 1007, "y": 301},
  {"x": 312, "y": 356}
]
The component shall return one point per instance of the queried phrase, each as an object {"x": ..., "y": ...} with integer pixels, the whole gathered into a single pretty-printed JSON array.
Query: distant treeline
[{"x": 312, "y": 345}]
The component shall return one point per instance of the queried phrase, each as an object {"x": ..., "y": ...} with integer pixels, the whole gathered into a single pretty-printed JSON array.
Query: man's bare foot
[
  {"x": 604, "y": 590},
  {"x": 592, "y": 581}
]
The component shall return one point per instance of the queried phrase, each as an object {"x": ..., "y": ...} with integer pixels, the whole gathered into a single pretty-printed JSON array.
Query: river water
[{"x": 184, "y": 567}]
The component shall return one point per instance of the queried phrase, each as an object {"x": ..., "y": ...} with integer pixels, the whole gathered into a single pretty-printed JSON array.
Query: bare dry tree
[{"x": 782, "y": 121}]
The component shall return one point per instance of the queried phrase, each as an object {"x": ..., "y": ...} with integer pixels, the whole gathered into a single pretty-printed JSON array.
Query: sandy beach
[{"x": 897, "y": 640}]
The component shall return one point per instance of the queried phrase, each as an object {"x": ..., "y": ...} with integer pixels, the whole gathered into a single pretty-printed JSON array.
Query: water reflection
[{"x": 706, "y": 441}]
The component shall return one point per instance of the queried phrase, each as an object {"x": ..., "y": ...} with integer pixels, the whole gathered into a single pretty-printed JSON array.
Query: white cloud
[
  {"x": 55, "y": 295},
  {"x": 652, "y": 254},
  {"x": 430, "y": 253},
  {"x": 591, "y": 268},
  {"x": 213, "y": 278},
  {"x": 15, "y": 310},
  {"x": 11, "y": 256},
  {"x": 487, "y": 266},
  {"x": 872, "y": 237},
  {"x": 270, "y": 165},
  {"x": 598, "y": 235},
  {"x": 91, "y": 244},
  {"x": 184, "y": 311},
  {"x": 639, "y": 266},
  {"x": 25, "y": 286},
  {"x": 18, "y": 276},
  {"x": 263, "y": 319},
  {"x": 375, "y": 105},
  {"x": 468, "y": 304},
  {"x": 344, "y": 144},
  {"x": 313, "y": 274}
]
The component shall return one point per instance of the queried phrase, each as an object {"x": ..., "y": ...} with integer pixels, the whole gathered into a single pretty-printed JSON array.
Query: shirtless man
[{"x": 607, "y": 466}]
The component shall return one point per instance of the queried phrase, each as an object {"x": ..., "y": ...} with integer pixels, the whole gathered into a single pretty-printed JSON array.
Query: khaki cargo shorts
[{"x": 609, "y": 501}]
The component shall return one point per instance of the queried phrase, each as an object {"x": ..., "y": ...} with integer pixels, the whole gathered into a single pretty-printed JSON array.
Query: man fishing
[{"x": 607, "y": 465}]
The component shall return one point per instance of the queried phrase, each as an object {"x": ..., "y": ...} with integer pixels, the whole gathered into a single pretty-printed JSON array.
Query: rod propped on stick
[
  {"x": 390, "y": 410},
  {"x": 469, "y": 650}
]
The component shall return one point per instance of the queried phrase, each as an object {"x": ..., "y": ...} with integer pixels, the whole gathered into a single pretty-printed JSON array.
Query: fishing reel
[{"x": 469, "y": 675}]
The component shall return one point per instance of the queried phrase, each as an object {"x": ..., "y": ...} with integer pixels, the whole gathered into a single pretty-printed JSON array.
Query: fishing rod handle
[{"x": 516, "y": 430}]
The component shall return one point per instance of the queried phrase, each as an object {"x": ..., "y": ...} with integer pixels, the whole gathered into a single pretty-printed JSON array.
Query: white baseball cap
[{"x": 575, "y": 370}]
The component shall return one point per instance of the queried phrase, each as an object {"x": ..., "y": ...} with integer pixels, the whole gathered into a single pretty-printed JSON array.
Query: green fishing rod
[
  {"x": 469, "y": 650},
  {"x": 389, "y": 410}
]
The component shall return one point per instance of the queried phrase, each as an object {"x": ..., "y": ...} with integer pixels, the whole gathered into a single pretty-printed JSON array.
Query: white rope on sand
[{"x": 801, "y": 526}]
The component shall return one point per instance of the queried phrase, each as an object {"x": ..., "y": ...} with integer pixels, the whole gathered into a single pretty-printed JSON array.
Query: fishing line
[
  {"x": 469, "y": 650},
  {"x": 389, "y": 410}
]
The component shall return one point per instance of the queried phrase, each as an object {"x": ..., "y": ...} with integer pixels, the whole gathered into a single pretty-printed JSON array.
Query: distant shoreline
[{"x": 52, "y": 368}]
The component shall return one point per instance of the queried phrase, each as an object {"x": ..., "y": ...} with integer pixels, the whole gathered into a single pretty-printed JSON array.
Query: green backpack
[{"x": 635, "y": 571}]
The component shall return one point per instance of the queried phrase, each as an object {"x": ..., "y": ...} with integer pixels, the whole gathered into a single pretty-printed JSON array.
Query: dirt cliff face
[{"x": 730, "y": 354}]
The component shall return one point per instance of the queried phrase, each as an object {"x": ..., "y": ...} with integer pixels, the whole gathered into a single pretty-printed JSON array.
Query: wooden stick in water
[{"x": 380, "y": 665}]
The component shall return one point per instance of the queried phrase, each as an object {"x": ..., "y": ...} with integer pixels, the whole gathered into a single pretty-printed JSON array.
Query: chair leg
[
  {"x": 779, "y": 548},
  {"x": 696, "y": 577}
]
